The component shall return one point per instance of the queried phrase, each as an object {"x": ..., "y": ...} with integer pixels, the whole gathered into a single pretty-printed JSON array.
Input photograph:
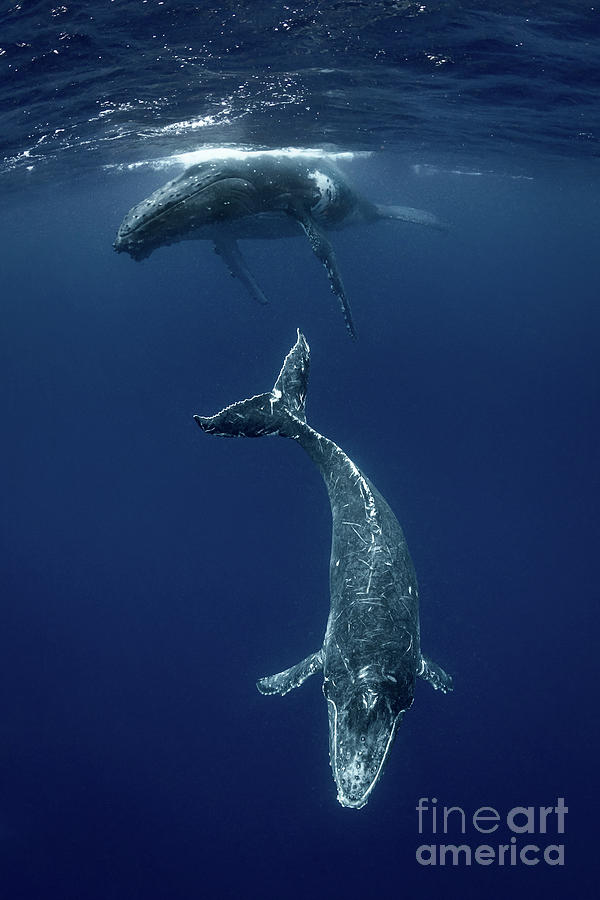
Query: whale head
[
  {"x": 204, "y": 195},
  {"x": 363, "y": 720}
]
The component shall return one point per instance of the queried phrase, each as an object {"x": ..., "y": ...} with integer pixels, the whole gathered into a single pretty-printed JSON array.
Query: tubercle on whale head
[
  {"x": 363, "y": 721},
  {"x": 136, "y": 248},
  {"x": 134, "y": 232},
  {"x": 155, "y": 223},
  {"x": 181, "y": 210}
]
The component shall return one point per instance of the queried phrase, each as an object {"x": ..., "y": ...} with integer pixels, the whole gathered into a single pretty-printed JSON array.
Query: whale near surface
[
  {"x": 371, "y": 654},
  {"x": 259, "y": 196}
]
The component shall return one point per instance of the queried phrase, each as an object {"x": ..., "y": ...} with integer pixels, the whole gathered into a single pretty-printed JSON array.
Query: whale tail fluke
[
  {"x": 270, "y": 413},
  {"x": 409, "y": 214}
]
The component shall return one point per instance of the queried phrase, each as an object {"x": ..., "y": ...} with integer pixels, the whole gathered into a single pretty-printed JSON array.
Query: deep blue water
[{"x": 151, "y": 573}]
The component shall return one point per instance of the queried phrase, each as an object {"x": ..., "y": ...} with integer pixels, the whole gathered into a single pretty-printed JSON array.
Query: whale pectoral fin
[
  {"x": 291, "y": 678},
  {"x": 227, "y": 248},
  {"x": 435, "y": 675},
  {"x": 324, "y": 252},
  {"x": 409, "y": 214}
]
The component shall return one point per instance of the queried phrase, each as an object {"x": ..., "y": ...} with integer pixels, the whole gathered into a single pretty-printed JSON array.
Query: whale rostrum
[
  {"x": 371, "y": 654},
  {"x": 262, "y": 196}
]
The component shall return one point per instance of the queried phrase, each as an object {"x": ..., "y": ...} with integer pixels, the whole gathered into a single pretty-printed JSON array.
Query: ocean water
[{"x": 150, "y": 573}]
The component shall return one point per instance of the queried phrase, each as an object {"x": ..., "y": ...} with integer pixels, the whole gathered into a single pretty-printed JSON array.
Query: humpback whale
[
  {"x": 260, "y": 196},
  {"x": 371, "y": 655}
]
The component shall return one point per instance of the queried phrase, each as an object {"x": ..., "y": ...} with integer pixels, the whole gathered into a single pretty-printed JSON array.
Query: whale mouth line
[
  {"x": 358, "y": 802},
  {"x": 345, "y": 798},
  {"x": 158, "y": 212}
]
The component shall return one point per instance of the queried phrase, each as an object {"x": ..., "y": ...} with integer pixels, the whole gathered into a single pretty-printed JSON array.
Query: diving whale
[
  {"x": 260, "y": 196},
  {"x": 371, "y": 655}
]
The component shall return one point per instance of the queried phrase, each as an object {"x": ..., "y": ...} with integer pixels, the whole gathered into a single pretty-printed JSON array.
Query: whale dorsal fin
[
  {"x": 227, "y": 248},
  {"x": 291, "y": 678},
  {"x": 435, "y": 675},
  {"x": 324, "y": 252}
]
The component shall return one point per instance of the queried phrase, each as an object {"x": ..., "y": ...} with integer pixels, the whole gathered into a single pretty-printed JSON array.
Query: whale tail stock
[{"x": 272, "y": 413}]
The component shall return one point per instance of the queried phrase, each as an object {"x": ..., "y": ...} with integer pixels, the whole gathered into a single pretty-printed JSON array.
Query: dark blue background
[{"x": 151, "y": 573}]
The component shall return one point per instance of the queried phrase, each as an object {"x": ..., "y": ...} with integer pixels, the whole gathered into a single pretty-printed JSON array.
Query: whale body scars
[
  {"x": 371, "y": 656},
  {"x": 261, "y": 196}
]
